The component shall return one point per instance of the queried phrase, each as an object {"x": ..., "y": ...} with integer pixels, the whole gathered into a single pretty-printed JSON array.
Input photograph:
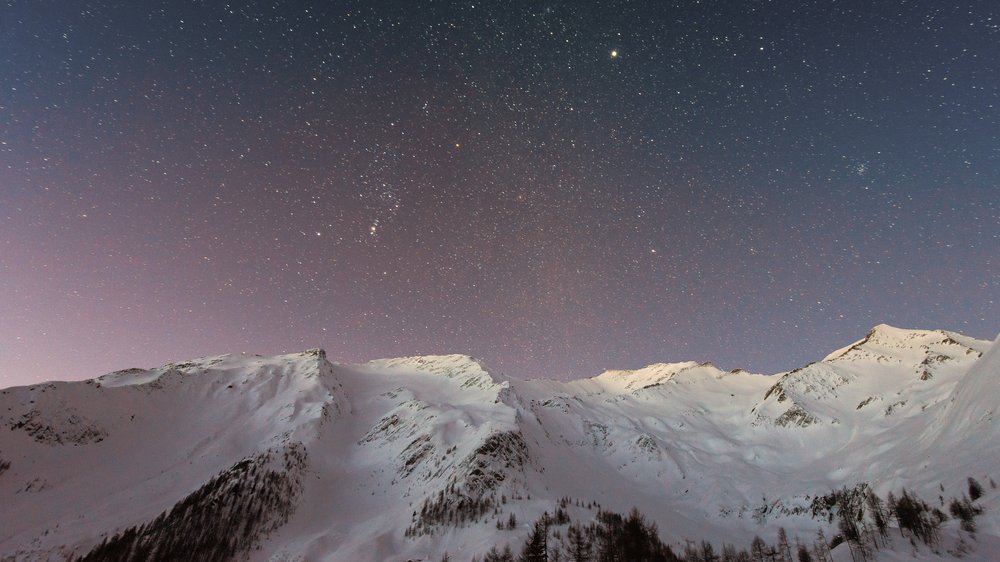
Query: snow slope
[{"x": 409, "y": 457}]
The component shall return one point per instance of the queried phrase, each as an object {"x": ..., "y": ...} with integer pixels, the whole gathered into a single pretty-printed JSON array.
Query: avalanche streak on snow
[{"x": 381, "y": 451}]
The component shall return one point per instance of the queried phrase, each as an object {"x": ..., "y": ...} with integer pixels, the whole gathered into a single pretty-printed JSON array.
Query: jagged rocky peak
[
  {"x": 885, "y": 343},
  {"x": 884, "y": 351},
  {"x": 315, "y": 352},
  {"x": 889, "y": 366}
]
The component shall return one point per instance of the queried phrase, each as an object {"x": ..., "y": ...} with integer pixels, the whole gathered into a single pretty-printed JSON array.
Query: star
[{"x": 513, "y": 189}]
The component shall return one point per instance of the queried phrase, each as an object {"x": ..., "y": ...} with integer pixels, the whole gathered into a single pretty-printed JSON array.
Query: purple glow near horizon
[{"x": 753, "y": 185}]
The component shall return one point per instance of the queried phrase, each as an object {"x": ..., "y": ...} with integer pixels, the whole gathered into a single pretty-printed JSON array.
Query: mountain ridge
[{"x": 423, "y": 454}]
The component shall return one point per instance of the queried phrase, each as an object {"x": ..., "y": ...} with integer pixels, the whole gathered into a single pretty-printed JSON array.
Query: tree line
[
  {"x": 862, "y": 519},
  {"x": 224, "y": 518}
]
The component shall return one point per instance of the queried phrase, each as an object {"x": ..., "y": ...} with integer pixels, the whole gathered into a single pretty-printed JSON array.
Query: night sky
[{"x": 554, "y": 187}]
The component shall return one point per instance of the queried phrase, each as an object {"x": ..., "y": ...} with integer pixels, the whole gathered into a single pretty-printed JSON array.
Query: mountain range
[{"x": 292, "y": 457}]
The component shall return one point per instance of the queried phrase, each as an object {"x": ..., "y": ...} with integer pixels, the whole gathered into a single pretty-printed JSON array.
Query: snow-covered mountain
[{"x": 295, "y": 458}]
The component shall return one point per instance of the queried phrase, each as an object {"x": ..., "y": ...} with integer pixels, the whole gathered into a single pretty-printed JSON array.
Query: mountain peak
[
  {"x": 883, "y": 340},
  {"x": 452, "y": 366},
  {"x": 430, "y": 363},
  {"x": 314, "y": 359},
  {"x": 655, "y": 374},
  {"x": 431, "y": 451}
]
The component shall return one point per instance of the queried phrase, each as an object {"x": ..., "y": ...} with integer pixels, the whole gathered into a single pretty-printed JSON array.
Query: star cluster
[{"x": 555, "y": 187}]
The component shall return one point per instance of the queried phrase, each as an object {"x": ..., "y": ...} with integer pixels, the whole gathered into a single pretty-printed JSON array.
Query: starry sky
[{"x": 556, "y": 187}]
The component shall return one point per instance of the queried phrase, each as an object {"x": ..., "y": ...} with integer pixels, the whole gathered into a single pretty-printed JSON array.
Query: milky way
[{"x": 554, "y": 187}]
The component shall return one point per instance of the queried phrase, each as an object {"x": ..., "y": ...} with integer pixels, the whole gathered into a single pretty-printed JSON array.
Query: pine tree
[
  {"x": 879, "y": 516},
  {"x": 580, "y": 547},
  {"x": 708, "y": 552},
  {"x": 758, "y": 549},
  {"x": 890, "y": 502},
  {"x": 783, "y": 547},
  {"x": 848, "y": 515},
  {"x": 494, "y": 555},
  {"x": 966, "y": 513},
  {"x": 975, "y": 489},
  {"x": 536, "y": 548},
  {"x": 691, "y": 553},
  {"x": 821, "y": 548}
]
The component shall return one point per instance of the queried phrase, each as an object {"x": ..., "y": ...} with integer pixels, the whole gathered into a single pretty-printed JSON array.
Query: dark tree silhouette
[
  {"x": 536, "y": 548},
  {"x": 915, "y": 516},
  {"x": 966, "y": 513},
  {"x": 783, "y": 547},
  {"x": 494, "y": 555},
  {"x": 975, "y": 489},
  {"x": 758, "y": 550},
  {"x": 223, "y": 518},
  {"x": 581, "y": 547}
]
